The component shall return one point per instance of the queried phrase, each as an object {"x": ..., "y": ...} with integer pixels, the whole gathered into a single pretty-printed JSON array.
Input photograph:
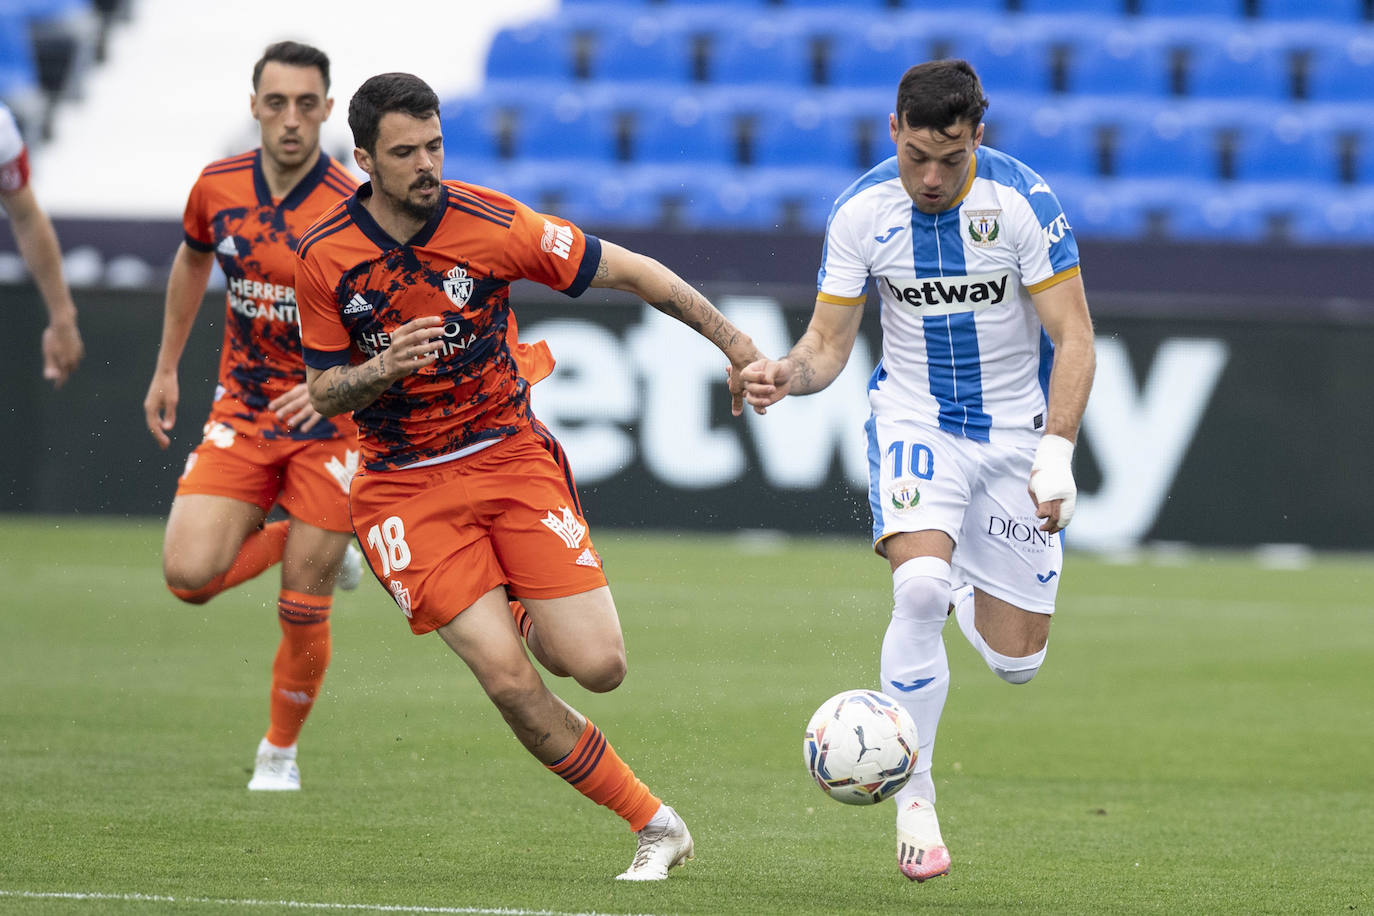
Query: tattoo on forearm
[
  {"x": 691, "y": 308},
  {"x": 352, "y": 387},
  {"x": 802, "y": 357},
  {"x": 603, "y": 270}
]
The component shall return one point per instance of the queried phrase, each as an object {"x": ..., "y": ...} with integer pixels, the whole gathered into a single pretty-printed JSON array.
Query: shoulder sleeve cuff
[
  {"x": 591, "y": 260},
  {"x": 326, "y": 359},
  {"x": 841, "y": 300},
  {"x": 1053, "y": 280},
  {"x": 198, "y": 245}
]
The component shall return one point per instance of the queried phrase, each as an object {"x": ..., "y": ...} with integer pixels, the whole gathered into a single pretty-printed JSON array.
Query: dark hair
[
  {"x": 384, "y": 93},
  {"x": 938, "y": 94},
  {"x": 294, "y": 54}
]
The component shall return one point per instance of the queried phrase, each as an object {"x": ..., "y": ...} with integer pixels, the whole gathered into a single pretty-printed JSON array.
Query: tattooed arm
[
  {"x": 812, "y": 364},
  {"x": 670, "y": 294},
  {"x": 343, "y": 388}
]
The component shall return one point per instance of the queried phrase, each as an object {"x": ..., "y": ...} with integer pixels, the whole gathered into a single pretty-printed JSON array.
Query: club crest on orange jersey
[{"x": 458, "y": 286}]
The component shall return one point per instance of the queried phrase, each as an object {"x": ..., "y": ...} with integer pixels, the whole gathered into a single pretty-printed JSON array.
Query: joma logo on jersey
[
  {"x": 1056, "y": 230},
  {"x": 949, "y": 290},
  {"x": 557, "y": 239}
]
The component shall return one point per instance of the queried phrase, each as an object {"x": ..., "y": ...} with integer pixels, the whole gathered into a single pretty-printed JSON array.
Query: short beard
[{"x": 421, "y": 212}]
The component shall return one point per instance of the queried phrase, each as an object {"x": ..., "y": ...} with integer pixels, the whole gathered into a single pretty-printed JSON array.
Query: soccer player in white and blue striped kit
[{"x": 987, "y": 360}]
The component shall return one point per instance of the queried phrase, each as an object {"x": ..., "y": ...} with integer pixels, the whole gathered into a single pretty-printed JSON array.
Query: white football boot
[
  {"x": 275, "y": 769},
  {"x": 350, "y": 569},
  {"x": 921, "y": 851},
  {"x": 663, "y": 843}
]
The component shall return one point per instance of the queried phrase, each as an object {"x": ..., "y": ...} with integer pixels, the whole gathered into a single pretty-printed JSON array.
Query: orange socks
[
  {"x": 298, "y": 669},
  {"x": 261, "y": 549},
  {"x": 523, "y": 620},
  {"x": 593, "y": 768}
]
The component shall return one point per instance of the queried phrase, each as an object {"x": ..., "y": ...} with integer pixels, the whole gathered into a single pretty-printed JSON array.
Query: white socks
[
  {"x": 1011, "y": 669},
  {"x": 915, "y": 670}
]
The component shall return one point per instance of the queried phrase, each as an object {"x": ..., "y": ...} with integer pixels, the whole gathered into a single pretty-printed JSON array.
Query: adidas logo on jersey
[
  {"x": 587, "y": 558},
  {"x": 357, "y": 304},
  {"x": 228, "y": 246}
]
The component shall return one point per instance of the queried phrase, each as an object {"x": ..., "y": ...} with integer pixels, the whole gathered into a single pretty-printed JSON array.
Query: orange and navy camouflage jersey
[
  {"x": 357, "y": 285},
  {"x": 231, "y": 212}
]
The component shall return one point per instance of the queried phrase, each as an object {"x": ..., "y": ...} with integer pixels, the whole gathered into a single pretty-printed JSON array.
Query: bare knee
[
  {"x": 602, "y": 674},
  {"x": 186, "y": 580}
]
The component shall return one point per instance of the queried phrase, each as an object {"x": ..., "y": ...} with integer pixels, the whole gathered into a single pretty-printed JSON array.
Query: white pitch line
[{"x": 296, "y": 904}]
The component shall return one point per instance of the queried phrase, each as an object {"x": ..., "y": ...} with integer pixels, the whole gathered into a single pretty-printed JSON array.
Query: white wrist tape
[{"x": 1052, "y": 475}]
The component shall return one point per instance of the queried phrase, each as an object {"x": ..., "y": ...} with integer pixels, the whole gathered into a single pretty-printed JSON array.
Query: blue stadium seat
[
  {"x": 1217, "y": 215},
  {"x": 760, "y": 52},
  {"x": 1163, "y": 146},
  {"x": 1343, "y": 71},
  {"x": 1231, "y": 9},
  {"x": 871, "y": 53},
  {"x": 683, "y": 129},
  {"x": 1289, "y": 149},
  {"x": 472, "y": 130},
  {"x": 641, "y": 49},
  {"x": 18, "y": 72},
  {"x": 1343, "y": 11},
  {"x": 965, "y": 7},
  {"x": 569, "y": 126},
  {"x": 1337, "y": 219},
  {"x": 1006, "y": 59},
  {"x": 1099, "y": 209},
  {"x": 1048, "y": 138},
  {"x": 541, "y": 50},
  {"x": 1238, "y": 65},
  {"x": 1118, "y": 60},
  {"x": 805, "y": 134},
  {"x": 1062, "y": 7},
  {"x": 618, "y": 198}
]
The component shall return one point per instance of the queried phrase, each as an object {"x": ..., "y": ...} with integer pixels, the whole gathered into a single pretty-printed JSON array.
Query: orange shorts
[
  {"x": 440, "y": 537},
  {"x": 308, "y": 478}
]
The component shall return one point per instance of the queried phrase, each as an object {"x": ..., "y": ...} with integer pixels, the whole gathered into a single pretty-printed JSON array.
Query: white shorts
[{"x": 922, "y": 478}]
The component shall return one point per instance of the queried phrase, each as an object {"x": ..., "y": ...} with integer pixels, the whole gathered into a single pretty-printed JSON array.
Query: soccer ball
[{"x": 860, "y": 747}]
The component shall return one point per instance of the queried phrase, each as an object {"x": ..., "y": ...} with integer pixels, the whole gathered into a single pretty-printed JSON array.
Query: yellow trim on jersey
[
  {"x": 841, "y": 300},
  {"x": 1054, "y": 280},
  {"x": 968, "y": 184}
]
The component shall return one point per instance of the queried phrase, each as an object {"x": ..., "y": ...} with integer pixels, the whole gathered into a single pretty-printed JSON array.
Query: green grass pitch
[{"x": 1199, "y": 741}]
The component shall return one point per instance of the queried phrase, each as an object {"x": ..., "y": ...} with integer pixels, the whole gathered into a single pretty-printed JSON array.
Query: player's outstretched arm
[
  {"x": 185, "y": 289},
  {"x": 342, "y": 388},
  {"x": 670, "y": 294},
  {"x": 1063, "y": 310},
  {"x": 37, "y": 242},
  {"x": 811, "y": 365}
]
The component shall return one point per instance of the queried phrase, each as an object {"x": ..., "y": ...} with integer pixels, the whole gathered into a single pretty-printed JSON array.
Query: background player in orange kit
[
  {"x": 33, "y": 233},
  {"x": 264, "y": 444},
  {"x": 404, "y": 293}
]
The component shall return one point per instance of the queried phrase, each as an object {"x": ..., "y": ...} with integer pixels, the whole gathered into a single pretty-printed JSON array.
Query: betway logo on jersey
[
  {"x": 947, "y": 295},
  {"x": 557, "y": 239}
]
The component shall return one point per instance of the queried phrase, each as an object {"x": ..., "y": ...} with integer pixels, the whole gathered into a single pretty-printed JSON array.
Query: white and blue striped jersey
[{"x": 963, "y": 348}]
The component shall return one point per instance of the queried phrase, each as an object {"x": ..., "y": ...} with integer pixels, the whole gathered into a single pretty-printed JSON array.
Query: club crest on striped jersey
[
  {"x": 983, "y": 227},
  {"x": 458, "y": 286}
]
